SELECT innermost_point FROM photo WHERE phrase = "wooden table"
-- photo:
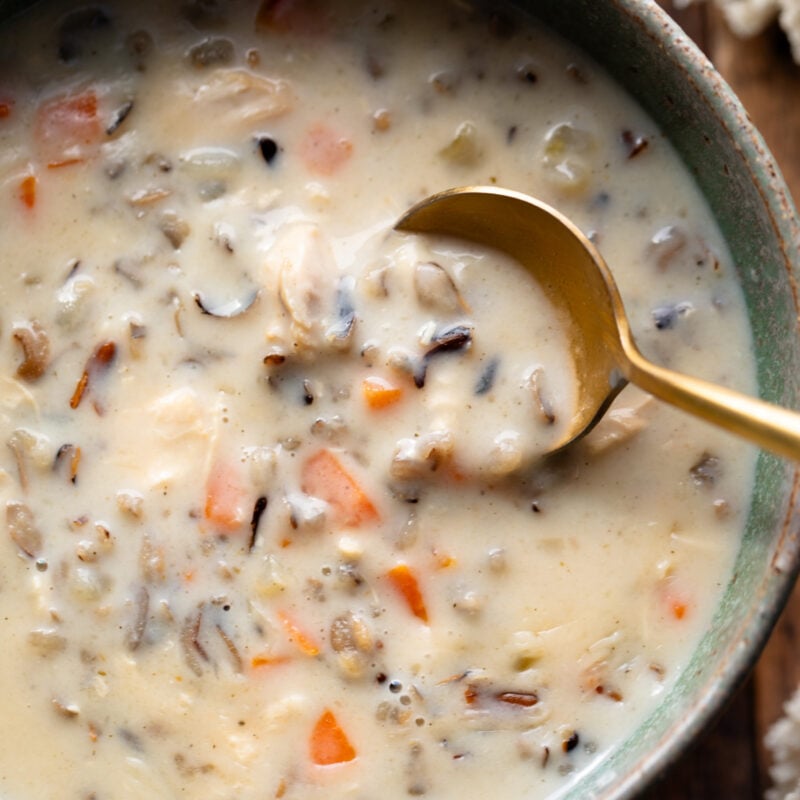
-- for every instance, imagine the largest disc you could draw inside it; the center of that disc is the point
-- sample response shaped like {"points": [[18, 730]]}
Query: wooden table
{"points": [[730, 762]]}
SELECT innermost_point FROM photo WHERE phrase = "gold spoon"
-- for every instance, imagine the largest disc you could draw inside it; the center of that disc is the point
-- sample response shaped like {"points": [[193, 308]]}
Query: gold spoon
{"points": [[578, 282]]}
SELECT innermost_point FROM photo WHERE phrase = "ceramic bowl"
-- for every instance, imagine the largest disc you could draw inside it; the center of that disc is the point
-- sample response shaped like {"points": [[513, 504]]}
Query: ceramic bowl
{"points": [[660, 66], [668, 75]]}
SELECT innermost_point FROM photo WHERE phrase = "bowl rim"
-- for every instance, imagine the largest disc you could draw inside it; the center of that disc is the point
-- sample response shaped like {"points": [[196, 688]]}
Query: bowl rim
{"points": [[738, 659]]}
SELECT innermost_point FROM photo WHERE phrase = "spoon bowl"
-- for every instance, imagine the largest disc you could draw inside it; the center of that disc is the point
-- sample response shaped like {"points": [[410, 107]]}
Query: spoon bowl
{"points": [[579, 284]]}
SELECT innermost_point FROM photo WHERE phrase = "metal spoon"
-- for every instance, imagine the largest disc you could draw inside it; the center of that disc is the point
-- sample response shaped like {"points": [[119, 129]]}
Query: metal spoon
{"points": [[577, 281]]}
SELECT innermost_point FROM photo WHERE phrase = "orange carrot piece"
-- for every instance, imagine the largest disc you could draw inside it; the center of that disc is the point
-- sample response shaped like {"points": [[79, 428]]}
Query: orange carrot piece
{"points": [[67, 129], [304, 642], [27, 191], [404, 580], [225, 498], [678, 608], [329, 743], [324, 151], [324, 476], [380, 393], [261, 660], [676, 600]]}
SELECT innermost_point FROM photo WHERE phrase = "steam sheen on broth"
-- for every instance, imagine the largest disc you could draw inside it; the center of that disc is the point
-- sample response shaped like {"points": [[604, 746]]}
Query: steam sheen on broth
{"points": [[275, 527]]}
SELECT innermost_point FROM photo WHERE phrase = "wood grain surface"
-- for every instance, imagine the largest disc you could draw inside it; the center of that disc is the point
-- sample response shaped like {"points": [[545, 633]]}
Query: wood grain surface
{"points": [[730, 762]]}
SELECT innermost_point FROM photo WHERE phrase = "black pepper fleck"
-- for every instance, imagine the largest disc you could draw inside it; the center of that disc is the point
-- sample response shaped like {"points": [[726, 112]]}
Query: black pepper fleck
{"points": [[268, 148]]}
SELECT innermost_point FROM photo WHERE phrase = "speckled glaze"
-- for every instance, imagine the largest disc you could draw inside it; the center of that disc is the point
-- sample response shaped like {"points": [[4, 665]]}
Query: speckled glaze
{"points": [[658, 64]]}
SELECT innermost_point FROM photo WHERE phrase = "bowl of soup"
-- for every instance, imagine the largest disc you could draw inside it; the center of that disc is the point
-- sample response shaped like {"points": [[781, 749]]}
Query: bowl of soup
{"points": [[276, 518]]}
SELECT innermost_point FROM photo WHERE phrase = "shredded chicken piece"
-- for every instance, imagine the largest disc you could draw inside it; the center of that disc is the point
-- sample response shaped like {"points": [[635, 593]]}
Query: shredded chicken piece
{"points": [[619, 426]]}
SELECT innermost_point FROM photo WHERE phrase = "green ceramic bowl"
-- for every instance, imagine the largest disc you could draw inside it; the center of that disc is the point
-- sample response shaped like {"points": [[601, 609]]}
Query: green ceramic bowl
{"points": [[658, 64]]}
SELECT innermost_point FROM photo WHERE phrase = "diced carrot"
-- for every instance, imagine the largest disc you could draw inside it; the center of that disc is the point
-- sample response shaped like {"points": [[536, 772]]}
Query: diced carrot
{"points": [[324, 476], [323, 150], [328, 743], [679, 609], [404, 580], [675, 599], [297, 636], [67, 129], [380, 393], [27, 191], [262, 660], [225, 498]]}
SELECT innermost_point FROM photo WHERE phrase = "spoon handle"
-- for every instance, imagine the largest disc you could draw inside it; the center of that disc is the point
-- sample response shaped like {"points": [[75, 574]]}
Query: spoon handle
{"points": [[767, 425]]}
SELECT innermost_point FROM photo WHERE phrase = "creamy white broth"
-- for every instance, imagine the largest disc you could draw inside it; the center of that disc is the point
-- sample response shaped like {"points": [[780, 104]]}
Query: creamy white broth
{"points": [[157, 641]]}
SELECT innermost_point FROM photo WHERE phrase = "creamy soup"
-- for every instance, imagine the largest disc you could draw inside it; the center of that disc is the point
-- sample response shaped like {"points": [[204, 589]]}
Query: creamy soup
{"points": [[276, 525]]}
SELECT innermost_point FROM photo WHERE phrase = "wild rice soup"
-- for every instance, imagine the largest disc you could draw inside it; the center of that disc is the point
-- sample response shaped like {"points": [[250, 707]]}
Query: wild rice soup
{"points": [[275, 523]]}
